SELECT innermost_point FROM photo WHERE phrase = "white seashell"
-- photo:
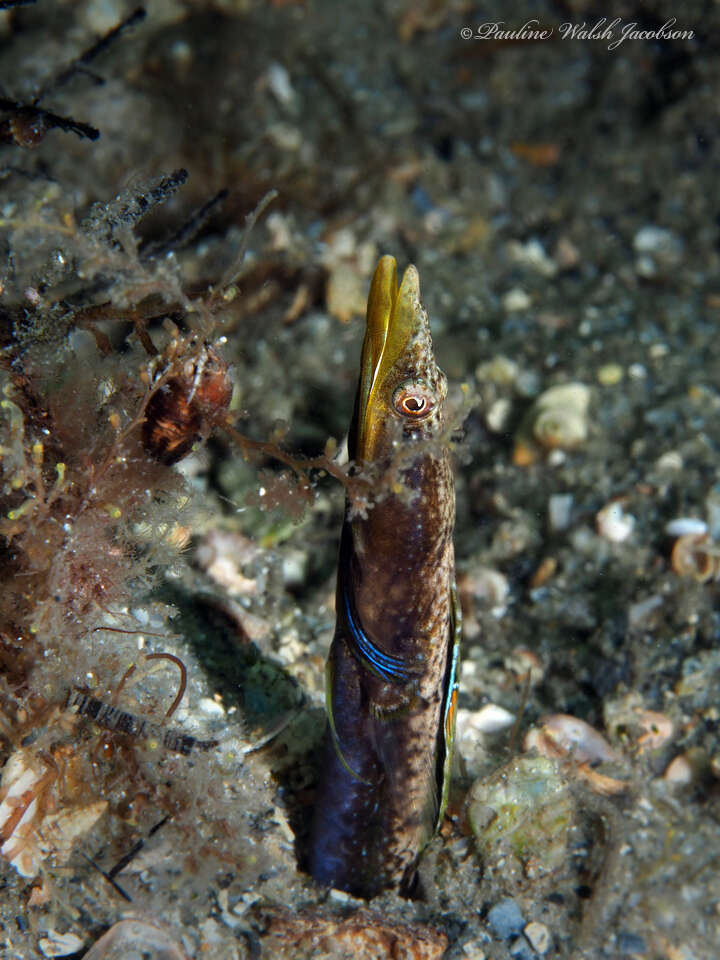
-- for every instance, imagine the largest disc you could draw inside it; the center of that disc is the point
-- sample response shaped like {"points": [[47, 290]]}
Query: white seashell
{"points": [[556, 421], [562, 735], [211, 707], [488, 719], [59, 944], [559, 427], [681, 526], [679, 771], [22, 780], [31, 833], [613, 523], [561, 417]]}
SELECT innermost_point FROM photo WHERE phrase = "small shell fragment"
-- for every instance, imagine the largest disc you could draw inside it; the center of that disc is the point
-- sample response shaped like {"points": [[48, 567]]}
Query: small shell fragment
{"points": [[561, 736], [679, 771], [29, 829], [544, 572], [23, 781], [600, 783], [689, 767]]}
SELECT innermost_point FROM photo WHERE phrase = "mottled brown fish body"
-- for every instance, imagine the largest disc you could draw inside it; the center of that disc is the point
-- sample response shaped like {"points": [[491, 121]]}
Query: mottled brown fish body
{"points": [[389, 670]]}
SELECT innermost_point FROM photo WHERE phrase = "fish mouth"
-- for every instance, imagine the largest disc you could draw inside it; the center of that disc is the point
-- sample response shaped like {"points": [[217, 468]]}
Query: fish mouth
{"points": [[393, 320]]}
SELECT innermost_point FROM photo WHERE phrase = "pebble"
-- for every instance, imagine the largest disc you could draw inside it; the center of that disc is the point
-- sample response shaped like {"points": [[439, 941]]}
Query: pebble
{"points": [[532, 255], [640, 613], [506, 919], [610, 374], [712, 505], [473, 951], [500, 370], [278, 81], [656, 240], [655, 249], [538, 935], [498, 415], [567, 255], [294, 568], [516, 299], [520, 949], [672, 460], [631, 944], [284, 136], [560, 511], [343, 898]]}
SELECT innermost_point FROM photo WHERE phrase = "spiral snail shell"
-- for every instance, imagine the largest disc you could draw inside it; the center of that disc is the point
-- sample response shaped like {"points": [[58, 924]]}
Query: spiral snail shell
{"points": [[557, 420]]}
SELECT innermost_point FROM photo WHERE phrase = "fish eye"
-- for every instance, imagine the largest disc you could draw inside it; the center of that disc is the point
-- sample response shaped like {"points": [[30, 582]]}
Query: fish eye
{"points": [[414, 400]]}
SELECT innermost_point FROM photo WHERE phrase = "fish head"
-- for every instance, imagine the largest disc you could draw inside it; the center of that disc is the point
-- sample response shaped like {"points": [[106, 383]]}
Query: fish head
{"points": [[401, 389]]}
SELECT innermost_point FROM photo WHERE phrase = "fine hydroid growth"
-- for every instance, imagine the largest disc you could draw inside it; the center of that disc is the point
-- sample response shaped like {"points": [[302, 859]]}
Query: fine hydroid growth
{"points": [[110, 375]]}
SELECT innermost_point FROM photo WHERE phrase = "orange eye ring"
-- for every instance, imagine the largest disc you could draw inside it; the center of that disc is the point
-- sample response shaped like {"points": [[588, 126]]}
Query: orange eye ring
{"points": [[413, 400]]}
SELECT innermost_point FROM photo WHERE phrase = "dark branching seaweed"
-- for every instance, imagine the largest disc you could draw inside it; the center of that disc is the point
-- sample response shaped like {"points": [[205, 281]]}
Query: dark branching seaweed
{"points": [[27, 124]]}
